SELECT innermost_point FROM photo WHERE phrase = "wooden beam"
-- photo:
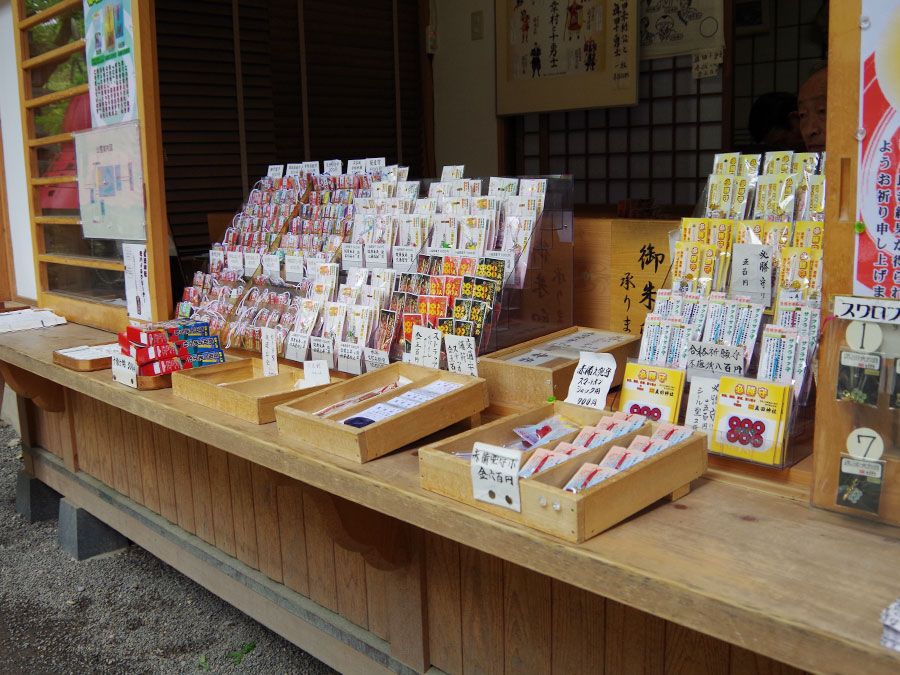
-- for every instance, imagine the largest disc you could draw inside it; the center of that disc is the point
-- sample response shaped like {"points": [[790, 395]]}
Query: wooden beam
{"points": [[77, 261], [56, 96], [8, 275], [57, 220], [49, 140], [62, 7], [55, 55], [107, 316], [53, 180]]}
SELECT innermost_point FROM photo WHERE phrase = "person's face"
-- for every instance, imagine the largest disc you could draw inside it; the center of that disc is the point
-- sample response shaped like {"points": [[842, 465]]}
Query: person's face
{"points": [[811, 110]]}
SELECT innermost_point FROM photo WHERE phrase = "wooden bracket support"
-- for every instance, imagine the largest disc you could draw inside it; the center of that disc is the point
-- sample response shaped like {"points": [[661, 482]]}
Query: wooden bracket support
{"points": [[47, 395]]}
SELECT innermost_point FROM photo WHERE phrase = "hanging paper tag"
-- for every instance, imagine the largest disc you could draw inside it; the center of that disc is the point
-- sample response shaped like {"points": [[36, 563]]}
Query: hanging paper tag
{"points": [[351, 255], [461, 354], [322, 349], [355, 166], [293, 268], [271, 263], [293, 169], [349, 358], [375, 358], [275, 171], [315, 373], [251, 263], [426, 347], [269, 352], [591, 380], [296, 347], [376, 255], [495, 475], [404, 258], [334, 167], [235, 261], [216, 259], [125, 370]]}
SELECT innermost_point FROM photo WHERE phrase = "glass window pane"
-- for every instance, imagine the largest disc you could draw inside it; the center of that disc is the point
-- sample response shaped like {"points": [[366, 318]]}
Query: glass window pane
{"points": [[73, 114], [83, 282], [58, 31], [67, 240], [58, 76], [59, 200]]}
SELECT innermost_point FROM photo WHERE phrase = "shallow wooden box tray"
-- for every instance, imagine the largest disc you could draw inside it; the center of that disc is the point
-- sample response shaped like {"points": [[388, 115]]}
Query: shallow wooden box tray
{"points": [[240, 389], [521, 384], [84, 365], [297, 422], [545, 505]]}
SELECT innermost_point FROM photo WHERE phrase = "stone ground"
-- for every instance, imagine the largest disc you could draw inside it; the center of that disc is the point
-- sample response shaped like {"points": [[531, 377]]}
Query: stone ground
{"points": [[123, 613]]}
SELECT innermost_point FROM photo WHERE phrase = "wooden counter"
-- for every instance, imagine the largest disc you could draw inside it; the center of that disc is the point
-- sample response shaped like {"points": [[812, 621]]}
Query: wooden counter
{"points": [[767, 575]]}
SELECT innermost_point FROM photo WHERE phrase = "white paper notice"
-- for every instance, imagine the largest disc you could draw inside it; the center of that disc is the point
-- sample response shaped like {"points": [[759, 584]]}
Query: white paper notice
{"points": [[701, 406], [356, 166], [591, 380], [375, 358], [275, 171], [322, 350], [310, 167], [334, 167], [426, 347], [269, 351], [293, 268], [251, 263], [751, 274], [351, 255], [125, 370], [234, 260], [315, 373], [296, 347], [495, 475], [375, 165], [293, 169], [376, 255], [404, 258], [461, 354], [137, 287], [349, 358], [271, 263]]}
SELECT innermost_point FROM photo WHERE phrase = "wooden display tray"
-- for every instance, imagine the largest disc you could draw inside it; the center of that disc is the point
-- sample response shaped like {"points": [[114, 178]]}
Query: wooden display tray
{"points": [[240, 389], [154, 382], [519, 384], [82, 365], [297, 422], [545, 505]]}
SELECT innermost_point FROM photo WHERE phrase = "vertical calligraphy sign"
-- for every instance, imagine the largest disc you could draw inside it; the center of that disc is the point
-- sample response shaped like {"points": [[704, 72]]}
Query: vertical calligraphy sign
{"points": [[877, 260], [639, 267]]}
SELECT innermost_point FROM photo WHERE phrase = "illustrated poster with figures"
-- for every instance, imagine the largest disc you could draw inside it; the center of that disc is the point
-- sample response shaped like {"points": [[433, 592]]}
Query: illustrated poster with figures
{"points": [[674, 27], [565, 54]]}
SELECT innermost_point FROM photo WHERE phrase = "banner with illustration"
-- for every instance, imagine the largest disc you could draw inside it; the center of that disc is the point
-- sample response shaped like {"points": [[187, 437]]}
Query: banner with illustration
{"points": [[109, 47], [877, 259], [565, 54]]}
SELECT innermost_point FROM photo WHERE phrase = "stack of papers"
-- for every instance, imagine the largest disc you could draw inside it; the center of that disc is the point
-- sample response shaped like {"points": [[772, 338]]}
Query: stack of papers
{"points": [[26, 319]]}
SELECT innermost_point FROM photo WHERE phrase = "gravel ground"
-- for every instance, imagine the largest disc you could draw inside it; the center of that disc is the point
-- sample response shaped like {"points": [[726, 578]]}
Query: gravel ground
{"points": [[123, 613]]}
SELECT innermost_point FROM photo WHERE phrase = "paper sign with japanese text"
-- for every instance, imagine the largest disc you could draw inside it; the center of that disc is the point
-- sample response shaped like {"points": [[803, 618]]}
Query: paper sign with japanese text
{"points": [[751, 272], [495, 475], [315, 373], [426, 347], [125, 370], [296, 347], [591, 380], [322, 349], [461, 354], [714, 358], [349, 358], [375, 358], [269, 352], [702, 400]]}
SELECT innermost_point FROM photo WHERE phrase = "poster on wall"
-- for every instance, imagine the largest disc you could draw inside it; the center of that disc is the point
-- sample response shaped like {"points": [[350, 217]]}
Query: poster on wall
{"points": [[565, 54], [877, 259], [675, 27], [111, 182], [109, 47]]}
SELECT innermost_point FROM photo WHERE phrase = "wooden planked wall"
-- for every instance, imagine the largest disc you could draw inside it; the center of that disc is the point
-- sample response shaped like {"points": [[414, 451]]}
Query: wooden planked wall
{"points": [[484, 615]]}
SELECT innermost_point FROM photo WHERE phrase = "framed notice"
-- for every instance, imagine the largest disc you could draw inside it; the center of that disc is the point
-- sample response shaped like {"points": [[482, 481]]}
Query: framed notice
{"points": [[109, 50], [565, 54]]}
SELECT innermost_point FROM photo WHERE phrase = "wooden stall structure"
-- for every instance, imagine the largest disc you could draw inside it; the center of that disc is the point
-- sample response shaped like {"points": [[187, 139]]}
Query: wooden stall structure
{"points": [[360, 566]]}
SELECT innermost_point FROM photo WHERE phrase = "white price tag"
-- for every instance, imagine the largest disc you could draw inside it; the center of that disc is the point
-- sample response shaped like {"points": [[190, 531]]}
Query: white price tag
{"points": [[293, 268], [351, 255], [861, 467], [125, 370], [275, 171], [293, 169], [375, 358], [349, 358], [376, 255], [216, 259], [271, 263], [235, 261], [426, 347], [591, 380], [334, 167], [310, 167], [752, 271], [461, 354], [251, 263], [322, 349], [315, 373], [269, 352], [495, 475], [296, 347], [865, 443], [404, 258], [375, 165], [356, 166]]}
